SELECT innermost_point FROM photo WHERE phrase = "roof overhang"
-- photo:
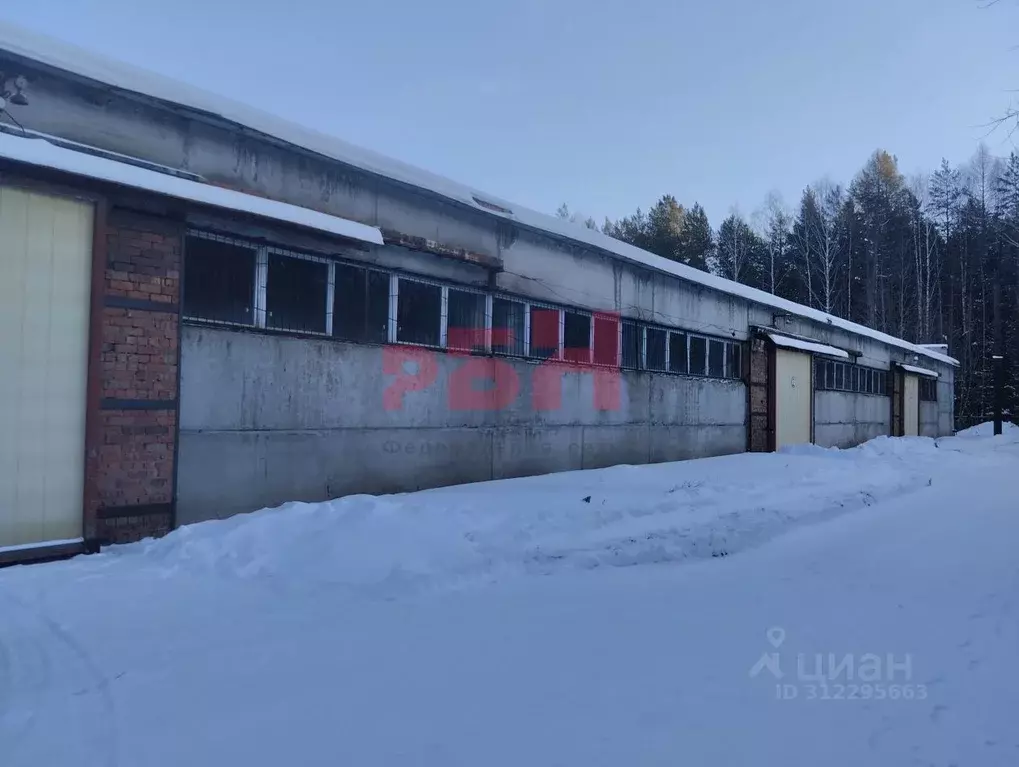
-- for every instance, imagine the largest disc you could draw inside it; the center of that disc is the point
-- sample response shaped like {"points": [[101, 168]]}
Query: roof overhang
{"points": [[919, 371], [810, 347], [40, 153]]}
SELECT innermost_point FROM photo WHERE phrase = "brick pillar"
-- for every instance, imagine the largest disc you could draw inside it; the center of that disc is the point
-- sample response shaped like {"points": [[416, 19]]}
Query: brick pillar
{"points": [[758, 437], [131, 450]]}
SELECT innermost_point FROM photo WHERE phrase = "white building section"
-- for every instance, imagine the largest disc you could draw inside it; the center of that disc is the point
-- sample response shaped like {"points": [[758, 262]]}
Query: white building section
{"points": [[41, 153]]}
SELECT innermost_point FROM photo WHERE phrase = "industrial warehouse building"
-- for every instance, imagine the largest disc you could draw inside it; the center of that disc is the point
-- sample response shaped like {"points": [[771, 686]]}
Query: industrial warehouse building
{"points": [[207, 310]]}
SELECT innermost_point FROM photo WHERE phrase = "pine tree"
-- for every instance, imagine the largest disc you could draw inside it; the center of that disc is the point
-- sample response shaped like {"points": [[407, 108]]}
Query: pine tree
{"points": [[632, 229], [697, 242], [666, 221]]}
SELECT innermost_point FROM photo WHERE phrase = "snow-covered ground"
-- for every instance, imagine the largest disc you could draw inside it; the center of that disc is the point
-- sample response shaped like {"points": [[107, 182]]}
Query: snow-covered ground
{"points": [[802, 608]]}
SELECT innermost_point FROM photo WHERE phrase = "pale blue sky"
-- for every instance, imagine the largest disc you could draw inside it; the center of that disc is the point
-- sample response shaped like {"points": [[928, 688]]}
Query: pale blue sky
{"points": [[606, 106]]}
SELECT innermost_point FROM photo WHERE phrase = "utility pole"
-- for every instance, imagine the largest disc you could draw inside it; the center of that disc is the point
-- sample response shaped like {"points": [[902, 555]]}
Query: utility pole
{"points": [[999, 361], [999, 390]]}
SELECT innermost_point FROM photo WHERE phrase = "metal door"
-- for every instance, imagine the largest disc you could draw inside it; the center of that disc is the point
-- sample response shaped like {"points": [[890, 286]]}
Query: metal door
{"points": [[45, 267], [793, 392], [911, 406]]}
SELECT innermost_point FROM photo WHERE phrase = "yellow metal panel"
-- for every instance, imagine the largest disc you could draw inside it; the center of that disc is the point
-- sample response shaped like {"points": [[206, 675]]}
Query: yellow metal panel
{"points": [[911, 406], [793, 397], [45, 272]]}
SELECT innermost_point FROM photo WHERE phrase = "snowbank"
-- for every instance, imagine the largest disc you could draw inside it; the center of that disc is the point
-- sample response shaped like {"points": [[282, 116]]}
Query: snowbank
{"points": [[621, 516], [262, 640], [986, 429]]}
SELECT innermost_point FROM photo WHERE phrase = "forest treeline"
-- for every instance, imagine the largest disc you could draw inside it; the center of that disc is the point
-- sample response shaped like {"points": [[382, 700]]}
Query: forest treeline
{"points": [[932, 258]]}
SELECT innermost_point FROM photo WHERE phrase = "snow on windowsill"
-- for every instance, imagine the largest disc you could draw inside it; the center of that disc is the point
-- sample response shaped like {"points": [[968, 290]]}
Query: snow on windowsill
{"points": [[41, 153]]}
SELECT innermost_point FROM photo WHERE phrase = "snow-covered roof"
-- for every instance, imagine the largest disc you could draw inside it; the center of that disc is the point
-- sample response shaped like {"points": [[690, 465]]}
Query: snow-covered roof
{"points": [[70, 58], [919, 371], [808, 346], [38, 152]]}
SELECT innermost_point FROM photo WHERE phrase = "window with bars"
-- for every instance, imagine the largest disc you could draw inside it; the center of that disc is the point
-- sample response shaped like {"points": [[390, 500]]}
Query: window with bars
{"points": [[418, 312], [655, 344], [632, 340], [232, 281], [734, 360], [929, 389], [606, 339], [219, 280], [360, 304], [678, 362], [847, 377], [716, 359], [576, 337], [295, 294], [466, 318], [508, 326], [698, 356], [544, 332]]}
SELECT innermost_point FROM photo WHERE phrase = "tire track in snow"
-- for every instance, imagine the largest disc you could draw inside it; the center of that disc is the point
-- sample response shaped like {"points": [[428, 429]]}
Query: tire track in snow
{"points": [[40, 660]]}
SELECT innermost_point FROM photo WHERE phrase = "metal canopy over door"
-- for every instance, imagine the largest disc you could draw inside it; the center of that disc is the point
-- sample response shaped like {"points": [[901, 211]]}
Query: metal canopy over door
{"points": [[45, 267], [793, 394], [911, 406]]}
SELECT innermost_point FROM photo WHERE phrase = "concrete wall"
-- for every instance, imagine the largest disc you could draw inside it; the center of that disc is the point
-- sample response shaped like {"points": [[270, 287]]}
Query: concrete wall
{"points": [[842, 419], [269, 418], [946, 402], [930, 421]]}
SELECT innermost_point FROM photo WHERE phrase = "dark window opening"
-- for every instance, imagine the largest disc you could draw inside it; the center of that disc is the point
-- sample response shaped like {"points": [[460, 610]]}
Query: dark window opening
{"points": [[544, 333], [507, 327], [656, 340], [734, 360], [361, 305], [465, 323], [819, 370], [698, 355], [856, 379], [576, 337], [928, 390], [219, 281], [677, 352], [839, 376], [716, 359], [606, 339], [631, 345], [295, 294], [418, 313]]}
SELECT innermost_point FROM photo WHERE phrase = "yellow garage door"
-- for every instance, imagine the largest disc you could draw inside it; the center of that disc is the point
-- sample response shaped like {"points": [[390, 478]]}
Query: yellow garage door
{"points": [[45, 267], [911, 406], [794, 392]]}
